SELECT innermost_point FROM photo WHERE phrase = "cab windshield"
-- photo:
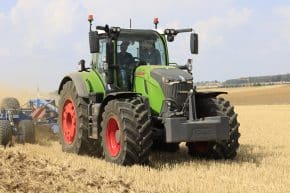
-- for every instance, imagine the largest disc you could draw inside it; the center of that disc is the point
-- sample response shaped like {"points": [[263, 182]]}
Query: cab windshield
{"points": [[134, 48], [140, 46]]}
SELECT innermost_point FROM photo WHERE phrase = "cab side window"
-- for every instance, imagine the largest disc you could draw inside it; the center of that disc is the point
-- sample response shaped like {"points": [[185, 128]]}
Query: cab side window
{"points": [[102, 53]]}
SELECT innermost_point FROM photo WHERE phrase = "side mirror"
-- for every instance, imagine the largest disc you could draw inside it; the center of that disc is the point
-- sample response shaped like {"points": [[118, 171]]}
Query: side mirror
{"points": [[194, 43], [170, 38], [94, 42]]}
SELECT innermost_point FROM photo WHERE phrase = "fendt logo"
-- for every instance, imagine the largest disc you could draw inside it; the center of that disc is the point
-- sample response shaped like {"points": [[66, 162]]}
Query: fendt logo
{"points": [[140, 73]]}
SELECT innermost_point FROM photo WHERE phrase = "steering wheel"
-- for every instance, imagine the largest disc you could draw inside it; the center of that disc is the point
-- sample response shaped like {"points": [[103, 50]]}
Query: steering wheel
{"points": [[138, 61]]}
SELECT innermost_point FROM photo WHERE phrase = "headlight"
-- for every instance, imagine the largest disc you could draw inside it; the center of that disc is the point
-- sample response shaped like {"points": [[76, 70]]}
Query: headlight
{"points": [[165, 80], [116, 29]]}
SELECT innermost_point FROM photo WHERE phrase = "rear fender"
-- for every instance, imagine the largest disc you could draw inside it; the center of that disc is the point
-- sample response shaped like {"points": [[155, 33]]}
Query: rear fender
{"points": [[211, 94], [79, 83], [85, 83]]}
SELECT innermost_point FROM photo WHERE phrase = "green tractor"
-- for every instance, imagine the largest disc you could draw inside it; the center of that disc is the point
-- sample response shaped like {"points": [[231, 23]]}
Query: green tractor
{"points": [[132, 100]]}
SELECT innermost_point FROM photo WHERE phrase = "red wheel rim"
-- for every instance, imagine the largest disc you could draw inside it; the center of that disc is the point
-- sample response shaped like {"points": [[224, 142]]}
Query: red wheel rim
{"points": [[113, 136], [69, 121], [201, 147]]}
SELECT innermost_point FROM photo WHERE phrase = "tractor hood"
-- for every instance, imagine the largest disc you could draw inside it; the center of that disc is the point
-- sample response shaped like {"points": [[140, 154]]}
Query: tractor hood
{"points": [[165, 74], [159, 83], [170, 75]]}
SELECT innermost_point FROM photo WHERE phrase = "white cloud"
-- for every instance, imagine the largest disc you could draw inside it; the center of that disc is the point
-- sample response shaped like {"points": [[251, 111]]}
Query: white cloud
{"points": [[238, 17], [49, 37], [142, 12], [283, 11], [4, 52], [2, 17], [40, 36], [38, 25], [42, 24], [283, 26], [52, 35], [213, 30]]}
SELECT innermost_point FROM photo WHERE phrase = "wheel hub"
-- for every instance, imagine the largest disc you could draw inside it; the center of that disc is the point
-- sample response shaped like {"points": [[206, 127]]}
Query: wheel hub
{"points": [[69, 121], [118, 136], [113, 136]]}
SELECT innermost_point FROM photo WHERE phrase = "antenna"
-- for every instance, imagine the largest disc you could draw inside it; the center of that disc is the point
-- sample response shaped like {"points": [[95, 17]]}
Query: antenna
{"points": [[130, 23], [37, 91]]}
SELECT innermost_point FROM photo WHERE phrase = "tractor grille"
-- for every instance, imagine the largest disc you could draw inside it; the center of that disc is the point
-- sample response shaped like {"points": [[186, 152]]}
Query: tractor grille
{"points": [[174, 82], [177, 92]]}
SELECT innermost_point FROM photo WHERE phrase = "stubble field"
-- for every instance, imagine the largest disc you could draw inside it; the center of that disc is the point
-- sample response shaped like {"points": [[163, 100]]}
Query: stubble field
{"points": [[262, 164]]}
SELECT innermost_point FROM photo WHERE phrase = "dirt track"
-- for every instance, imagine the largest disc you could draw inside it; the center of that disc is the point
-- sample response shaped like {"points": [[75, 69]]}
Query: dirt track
{"points": [[21, 172], [42, 167]]}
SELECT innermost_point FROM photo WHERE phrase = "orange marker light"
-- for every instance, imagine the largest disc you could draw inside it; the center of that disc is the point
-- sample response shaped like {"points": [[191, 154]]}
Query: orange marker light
{"points": [[141, 73], [90, 18], [155, 21]]}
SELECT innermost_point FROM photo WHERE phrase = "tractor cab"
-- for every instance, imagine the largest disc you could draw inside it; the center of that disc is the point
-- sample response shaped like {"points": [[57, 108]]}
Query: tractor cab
{"points": [[117, 53], [119, 57]]}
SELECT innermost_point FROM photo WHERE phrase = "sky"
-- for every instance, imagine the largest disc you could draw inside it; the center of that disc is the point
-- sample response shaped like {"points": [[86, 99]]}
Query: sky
{"points": [[42, 41]]}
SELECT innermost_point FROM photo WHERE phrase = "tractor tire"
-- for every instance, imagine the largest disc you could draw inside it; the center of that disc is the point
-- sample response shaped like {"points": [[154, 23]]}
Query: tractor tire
{"points": [[26, 132], [166, 147], [126, 133], [73, 122], [5, 132], [226, 149], [10, 103]]}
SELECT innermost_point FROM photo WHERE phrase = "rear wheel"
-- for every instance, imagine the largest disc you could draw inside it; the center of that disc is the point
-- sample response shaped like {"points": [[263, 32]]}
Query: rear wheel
{"points": [[226, 149], [73, 123], [10, 103], [126, 133], [5, 132], [26, 132]]}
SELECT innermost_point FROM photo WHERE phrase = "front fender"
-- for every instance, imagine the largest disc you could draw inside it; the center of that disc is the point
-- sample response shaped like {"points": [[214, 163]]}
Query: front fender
{"points": [[209, 94]]}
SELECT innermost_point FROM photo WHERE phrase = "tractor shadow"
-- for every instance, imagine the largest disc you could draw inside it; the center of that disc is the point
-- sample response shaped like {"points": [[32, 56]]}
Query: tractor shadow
{"points": [[247, 154], [256, 154]]}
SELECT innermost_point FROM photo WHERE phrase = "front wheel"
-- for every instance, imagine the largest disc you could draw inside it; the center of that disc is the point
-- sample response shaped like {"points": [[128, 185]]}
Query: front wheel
{"points": [[10, 103], [126, 133], [226, 149]]}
